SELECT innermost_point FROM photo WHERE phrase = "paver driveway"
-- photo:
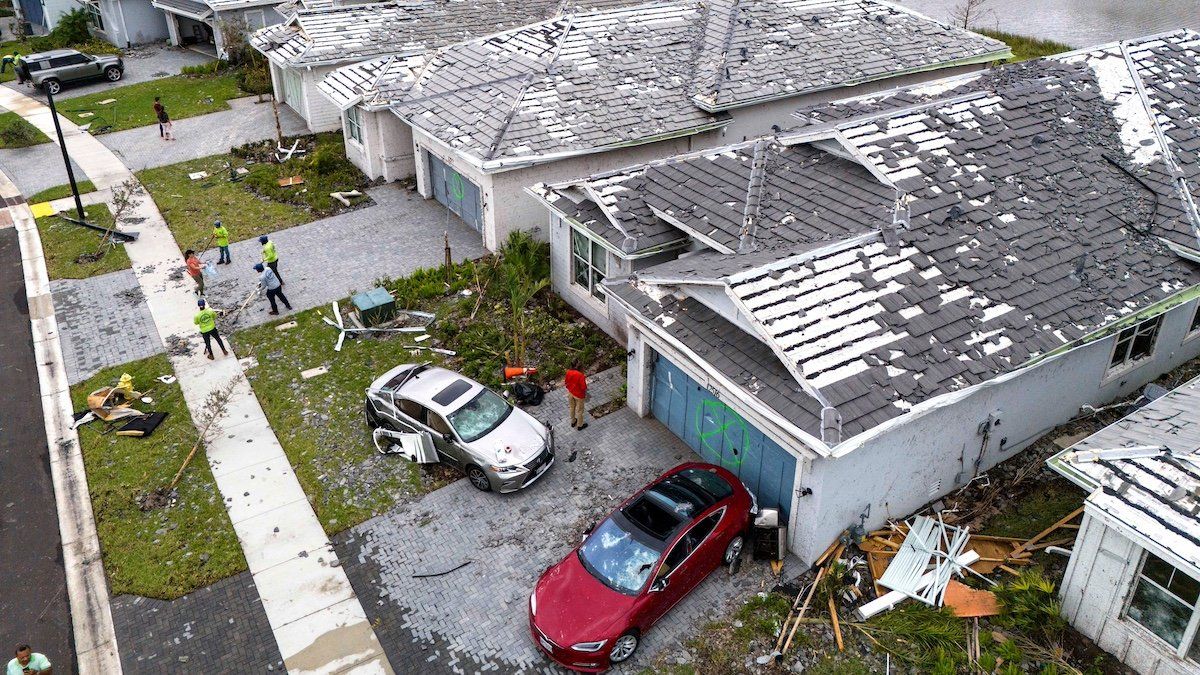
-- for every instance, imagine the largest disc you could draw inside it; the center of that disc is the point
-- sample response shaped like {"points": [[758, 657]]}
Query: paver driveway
{"points": [[474, 618]]}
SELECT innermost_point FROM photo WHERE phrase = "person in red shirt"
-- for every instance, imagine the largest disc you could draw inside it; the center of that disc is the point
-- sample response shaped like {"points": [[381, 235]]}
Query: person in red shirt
{"points": [[576, 393], [195, 270]]}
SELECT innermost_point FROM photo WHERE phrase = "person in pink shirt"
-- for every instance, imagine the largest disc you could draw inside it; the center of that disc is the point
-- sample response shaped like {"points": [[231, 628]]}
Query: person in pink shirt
{"points": [[576, 383]]}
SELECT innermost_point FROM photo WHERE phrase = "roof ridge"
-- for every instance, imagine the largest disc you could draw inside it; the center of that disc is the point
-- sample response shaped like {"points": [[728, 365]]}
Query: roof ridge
{"points": [[730, 29], [763, 149]]}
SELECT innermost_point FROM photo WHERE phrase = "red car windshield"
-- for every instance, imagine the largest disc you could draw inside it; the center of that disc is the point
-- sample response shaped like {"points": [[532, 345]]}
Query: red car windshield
{"points": [[620, 556]]}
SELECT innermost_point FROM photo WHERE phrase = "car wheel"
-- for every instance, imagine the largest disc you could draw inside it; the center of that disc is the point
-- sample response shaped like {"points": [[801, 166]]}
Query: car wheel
{"points": [[734, 550], [113, 73], [478, 478], [52, 86], [623, 648]]}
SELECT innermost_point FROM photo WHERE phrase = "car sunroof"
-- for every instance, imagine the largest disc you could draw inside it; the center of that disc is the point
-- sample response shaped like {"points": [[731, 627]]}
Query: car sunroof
{"points": [[452, 392], [651, 516]]}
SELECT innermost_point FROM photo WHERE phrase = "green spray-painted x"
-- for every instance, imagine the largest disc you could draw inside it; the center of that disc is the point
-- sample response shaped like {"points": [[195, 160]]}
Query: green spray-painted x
{"points": [[457, 189], [734, 429]]}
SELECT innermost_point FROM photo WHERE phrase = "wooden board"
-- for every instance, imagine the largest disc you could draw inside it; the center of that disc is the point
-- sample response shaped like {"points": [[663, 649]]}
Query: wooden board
{"points": [[967, 602]]}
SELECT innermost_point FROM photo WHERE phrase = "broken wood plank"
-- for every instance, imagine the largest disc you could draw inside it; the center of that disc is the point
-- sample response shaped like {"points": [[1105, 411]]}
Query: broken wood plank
{"points": [[837, 630], [290, 181], [829, 551], [1010, 570], [1047, 544], [1042, 535], [803, 610], [966, 602]]}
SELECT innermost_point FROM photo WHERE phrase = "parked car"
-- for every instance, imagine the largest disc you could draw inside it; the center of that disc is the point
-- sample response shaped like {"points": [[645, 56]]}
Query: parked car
{"points": [[51, 70], [498, 447], [591, 609]]}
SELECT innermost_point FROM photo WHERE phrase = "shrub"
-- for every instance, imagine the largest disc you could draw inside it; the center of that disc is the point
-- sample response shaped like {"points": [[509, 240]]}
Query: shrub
{"points": [[255, 79], [205, 69], [1032, 605], [72, 29], [326, 160]]}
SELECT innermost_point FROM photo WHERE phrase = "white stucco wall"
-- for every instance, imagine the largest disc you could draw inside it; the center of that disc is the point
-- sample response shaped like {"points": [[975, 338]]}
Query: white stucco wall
{"points": [[929, 455], [1094, 591], [319, 112], [52, 10], [131, 22], [382, 130]]}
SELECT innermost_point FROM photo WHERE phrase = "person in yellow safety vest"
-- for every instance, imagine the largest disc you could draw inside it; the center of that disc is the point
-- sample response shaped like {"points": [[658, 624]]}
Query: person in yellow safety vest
{"points": [[13, 60], [271, 257], [206, 320], [221, 234]]}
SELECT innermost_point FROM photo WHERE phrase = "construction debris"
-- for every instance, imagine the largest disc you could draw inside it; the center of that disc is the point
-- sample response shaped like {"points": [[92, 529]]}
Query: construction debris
{"points": [[286, 326], [967, 602], [928, 542], [313, 372], [198, 175], [344, 197], [387, 327], [290, 181]]}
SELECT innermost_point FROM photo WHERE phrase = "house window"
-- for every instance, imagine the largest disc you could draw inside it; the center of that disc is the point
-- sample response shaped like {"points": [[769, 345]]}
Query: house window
{"points": [[1135, 343], [94, 16], [1195, 325], [588, 264], [354, 123], [1164, 603]]}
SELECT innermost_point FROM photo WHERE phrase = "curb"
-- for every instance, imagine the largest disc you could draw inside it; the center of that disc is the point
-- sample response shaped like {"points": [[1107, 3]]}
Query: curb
{"points": [[87, 585]]}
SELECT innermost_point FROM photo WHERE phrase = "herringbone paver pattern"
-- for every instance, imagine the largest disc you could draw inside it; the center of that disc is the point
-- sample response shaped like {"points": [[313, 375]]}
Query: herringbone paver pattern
{"points": [[474, 618]]}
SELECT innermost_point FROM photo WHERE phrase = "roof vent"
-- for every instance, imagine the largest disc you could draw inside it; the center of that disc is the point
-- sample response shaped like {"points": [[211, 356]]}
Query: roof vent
{"points": [[831, 426]]}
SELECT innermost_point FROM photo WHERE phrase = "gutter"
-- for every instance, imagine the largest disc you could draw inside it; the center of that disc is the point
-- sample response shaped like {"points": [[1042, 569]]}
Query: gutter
{"points": [[985, 58], [604, 243], [810, 448]]}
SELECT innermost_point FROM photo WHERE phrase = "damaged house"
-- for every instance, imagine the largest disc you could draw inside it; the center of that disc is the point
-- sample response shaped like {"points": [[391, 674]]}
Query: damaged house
{"points": [[864, 313], [1133, 582], [319, 37], [203, 25], [479, 121]]}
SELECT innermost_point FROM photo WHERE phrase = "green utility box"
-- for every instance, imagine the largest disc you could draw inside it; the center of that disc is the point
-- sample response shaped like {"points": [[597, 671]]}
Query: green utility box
{"points": [[375, 306]]}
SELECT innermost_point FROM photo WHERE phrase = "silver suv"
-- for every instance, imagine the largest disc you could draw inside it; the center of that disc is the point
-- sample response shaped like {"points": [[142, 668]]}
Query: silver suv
{"points": [[459, 422], [50, 70]]}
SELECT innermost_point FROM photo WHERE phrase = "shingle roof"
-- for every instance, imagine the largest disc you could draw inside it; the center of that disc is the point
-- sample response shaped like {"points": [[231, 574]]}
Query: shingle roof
{"points": [[1038, 212], [594, 79], [350, 33], [1156, 495], [186, 7], [766, 49], [712, 193]]}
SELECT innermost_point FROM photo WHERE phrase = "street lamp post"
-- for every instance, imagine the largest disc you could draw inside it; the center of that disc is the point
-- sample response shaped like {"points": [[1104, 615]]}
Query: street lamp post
{"points": [[62, 144]]}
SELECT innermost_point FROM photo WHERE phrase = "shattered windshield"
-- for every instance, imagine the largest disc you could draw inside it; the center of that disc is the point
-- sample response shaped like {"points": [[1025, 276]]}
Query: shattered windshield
{"points": [[483, 413], [617, 558]]}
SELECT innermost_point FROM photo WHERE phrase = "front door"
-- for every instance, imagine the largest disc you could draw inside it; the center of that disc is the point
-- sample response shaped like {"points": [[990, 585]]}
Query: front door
{"points": [[456, 193]]}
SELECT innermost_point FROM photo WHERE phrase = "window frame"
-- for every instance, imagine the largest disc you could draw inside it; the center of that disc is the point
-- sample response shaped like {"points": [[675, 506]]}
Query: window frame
{"points": [[354, 124], [1191, 633], [594, 289], [1129, 336], [1193, 330], [95, 16]]}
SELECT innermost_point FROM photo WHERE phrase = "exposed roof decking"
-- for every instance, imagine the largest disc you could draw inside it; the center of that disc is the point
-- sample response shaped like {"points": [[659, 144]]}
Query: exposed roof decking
{"points": [[1137, 493]]}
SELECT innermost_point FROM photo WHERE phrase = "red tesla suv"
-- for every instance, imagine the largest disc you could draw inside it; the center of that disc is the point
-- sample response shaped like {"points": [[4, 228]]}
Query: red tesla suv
{"points": [[590, 610]]}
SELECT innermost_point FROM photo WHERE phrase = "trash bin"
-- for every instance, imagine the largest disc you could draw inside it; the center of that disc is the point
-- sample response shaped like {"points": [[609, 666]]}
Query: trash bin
{"points": [[375, 306], [770, 538]]}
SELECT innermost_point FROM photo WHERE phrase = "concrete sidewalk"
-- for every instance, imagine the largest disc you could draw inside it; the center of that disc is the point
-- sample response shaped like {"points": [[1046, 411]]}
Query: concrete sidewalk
{"points": [[318, 623], [39, 167]]}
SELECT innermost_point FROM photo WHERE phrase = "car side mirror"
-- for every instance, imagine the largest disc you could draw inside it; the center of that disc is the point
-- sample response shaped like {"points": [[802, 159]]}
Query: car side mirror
{"points": [[448, 437], [659, 585]]}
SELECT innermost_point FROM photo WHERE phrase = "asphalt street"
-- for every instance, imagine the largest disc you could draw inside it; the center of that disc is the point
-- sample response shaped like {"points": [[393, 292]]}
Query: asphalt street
{"points": [[33, 601]]}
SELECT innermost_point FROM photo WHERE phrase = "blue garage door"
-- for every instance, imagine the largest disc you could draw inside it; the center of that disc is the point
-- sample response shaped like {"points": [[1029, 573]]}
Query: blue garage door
{"points": [[455, 192], [721, 436]]}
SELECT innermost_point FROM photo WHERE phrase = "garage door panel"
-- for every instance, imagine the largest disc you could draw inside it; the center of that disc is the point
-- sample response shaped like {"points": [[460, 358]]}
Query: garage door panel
{"points": [[721, 436], [455, 192]]}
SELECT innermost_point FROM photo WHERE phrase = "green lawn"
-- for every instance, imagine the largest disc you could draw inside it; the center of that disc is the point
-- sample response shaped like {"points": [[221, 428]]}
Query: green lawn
{"points": [[1025, 48], [255, 205], [319, 421], [165, 552], [184, 96], [61, 191], [15, 132], [63, 242]]}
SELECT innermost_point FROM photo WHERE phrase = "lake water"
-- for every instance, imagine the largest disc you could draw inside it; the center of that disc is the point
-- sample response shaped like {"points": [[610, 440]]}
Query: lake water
{"points": [[1079, 23]]}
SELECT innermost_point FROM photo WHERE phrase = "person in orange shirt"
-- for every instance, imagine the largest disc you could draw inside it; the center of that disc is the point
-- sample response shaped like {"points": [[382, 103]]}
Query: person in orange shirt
{"points": [[195, 269], [576, 393]]}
